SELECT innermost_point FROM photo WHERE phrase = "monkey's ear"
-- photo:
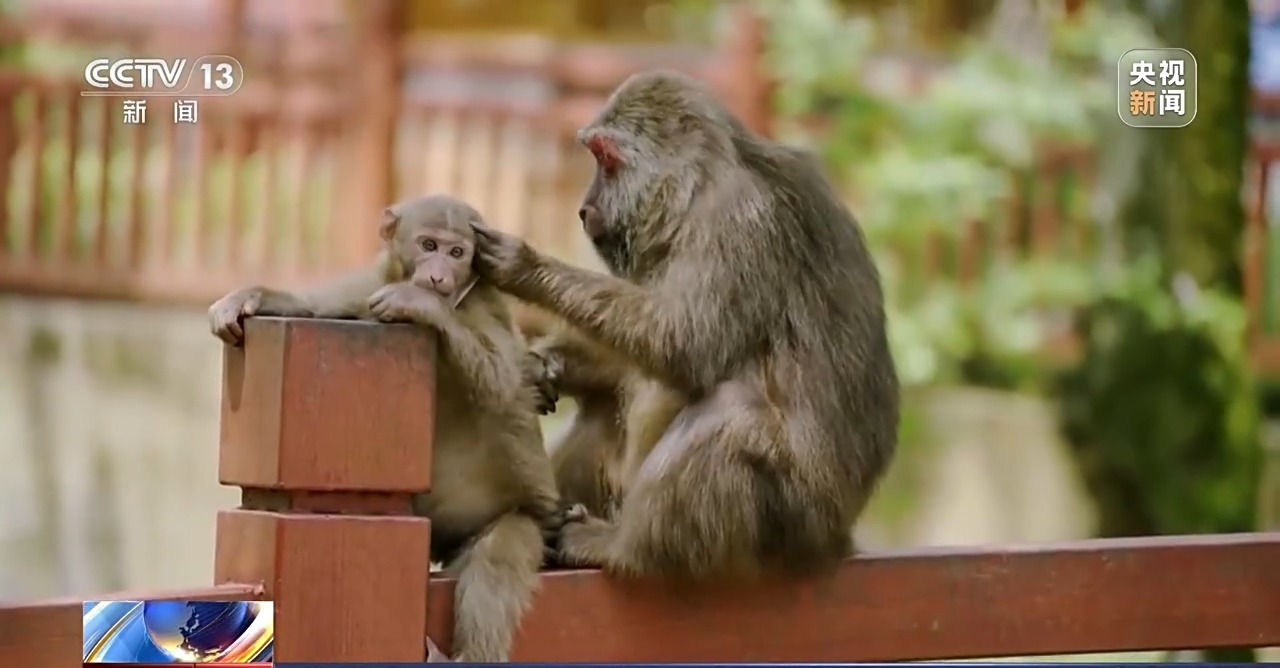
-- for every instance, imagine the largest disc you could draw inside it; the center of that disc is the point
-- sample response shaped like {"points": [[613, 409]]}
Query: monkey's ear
{"points": [[387, 224]]}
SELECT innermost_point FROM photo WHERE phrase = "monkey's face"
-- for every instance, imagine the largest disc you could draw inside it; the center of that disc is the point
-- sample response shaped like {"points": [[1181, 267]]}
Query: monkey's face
{"points": [[653, 155], [436, 259], [616, 196]]}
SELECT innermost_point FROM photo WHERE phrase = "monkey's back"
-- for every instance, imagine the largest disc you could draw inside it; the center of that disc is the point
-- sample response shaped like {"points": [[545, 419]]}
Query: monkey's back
{"points": [[833, 353]]}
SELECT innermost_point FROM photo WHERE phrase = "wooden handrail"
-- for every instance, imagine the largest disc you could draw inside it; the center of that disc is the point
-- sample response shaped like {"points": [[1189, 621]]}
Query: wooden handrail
{"points": [[1177, 592], [49, 633], [327, 429]]}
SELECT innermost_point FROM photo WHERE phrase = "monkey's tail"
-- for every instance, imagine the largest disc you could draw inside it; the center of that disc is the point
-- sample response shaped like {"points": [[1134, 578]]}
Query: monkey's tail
{"points": [[496, 580]]}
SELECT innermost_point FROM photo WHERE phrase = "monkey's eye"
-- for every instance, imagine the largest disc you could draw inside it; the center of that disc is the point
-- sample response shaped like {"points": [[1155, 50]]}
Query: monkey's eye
{"points": [[428, 245], [455, 252]]}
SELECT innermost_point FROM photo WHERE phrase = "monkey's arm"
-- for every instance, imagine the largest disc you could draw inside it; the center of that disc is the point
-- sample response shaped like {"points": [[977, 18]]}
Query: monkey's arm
{"points": [[277, 302], [681, 330], [343, 297], [586, 368], [476, 339], [476, 350]]}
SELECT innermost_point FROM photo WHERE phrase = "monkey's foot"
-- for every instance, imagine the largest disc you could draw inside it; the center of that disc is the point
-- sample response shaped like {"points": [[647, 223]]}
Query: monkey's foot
{"points": [[434, 655], [586, 543]]}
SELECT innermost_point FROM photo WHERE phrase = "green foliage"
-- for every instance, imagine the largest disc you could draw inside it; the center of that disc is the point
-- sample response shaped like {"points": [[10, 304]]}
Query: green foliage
{"points": [[1161, 412], [891, 509], [918, 164]]}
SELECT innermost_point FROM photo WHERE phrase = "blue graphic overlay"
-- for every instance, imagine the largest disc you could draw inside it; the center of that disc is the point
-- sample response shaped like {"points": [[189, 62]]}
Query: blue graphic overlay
{"points": [[165, 632]]}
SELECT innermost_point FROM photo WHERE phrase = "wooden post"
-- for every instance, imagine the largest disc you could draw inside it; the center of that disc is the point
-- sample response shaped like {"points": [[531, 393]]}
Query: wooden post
{"points": [[231, 20], [327, 428], [376, 75], [744, 53]]}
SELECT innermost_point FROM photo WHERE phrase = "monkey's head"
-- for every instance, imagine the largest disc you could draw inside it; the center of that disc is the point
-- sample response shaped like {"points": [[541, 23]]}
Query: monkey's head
{"points": [[660, 140], [431, 243]]}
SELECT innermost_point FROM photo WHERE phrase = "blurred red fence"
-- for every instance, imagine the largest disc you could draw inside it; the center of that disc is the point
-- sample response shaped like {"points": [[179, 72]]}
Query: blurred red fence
{"points": [[277, 182]]}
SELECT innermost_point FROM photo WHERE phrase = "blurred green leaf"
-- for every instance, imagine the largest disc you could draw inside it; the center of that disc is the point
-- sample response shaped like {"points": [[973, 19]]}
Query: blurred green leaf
{"points": [[921, 164]]}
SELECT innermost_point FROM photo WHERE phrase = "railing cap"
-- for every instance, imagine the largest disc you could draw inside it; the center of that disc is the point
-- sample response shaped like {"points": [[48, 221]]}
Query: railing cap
{"points": [[328, 405]]}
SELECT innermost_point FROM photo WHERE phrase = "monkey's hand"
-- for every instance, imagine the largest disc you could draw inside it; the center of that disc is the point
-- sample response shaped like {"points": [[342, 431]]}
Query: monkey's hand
{"points": [[405, 302], [502, 258], [543, 370], [552, 527], [226, 316], [584, 543]]}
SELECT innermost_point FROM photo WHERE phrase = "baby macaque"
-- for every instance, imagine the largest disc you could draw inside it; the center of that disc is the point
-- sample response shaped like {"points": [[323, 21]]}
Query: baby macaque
{"points": [[493, 491]]}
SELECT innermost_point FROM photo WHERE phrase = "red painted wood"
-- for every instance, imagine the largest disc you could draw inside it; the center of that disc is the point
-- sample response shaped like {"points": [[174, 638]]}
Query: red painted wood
{"points": [[1100, 595]]}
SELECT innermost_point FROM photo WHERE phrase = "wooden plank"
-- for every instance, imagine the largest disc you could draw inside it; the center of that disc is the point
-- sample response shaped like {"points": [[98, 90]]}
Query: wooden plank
{"points": [[41, 634], [49, 633], [1091, 596], [97, 282]]}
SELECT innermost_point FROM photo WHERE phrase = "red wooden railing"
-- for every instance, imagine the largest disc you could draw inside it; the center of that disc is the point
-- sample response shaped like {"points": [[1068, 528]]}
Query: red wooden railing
{"points": [[272, 184], [326, 427], [1259, 258]]}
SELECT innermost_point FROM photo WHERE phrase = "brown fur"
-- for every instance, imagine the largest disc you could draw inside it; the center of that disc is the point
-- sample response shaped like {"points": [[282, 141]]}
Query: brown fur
{"points": [[493, 490], [762, 404], [587, 456]]}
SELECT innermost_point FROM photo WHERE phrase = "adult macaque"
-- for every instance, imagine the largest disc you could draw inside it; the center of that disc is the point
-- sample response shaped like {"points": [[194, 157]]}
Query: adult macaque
{"points": [[493, 491], [762, 405]]}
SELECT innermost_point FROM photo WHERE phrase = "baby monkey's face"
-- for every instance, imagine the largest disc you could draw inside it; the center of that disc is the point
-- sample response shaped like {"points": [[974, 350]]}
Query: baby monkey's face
{"points": [[432, 242], [437, 259]]}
